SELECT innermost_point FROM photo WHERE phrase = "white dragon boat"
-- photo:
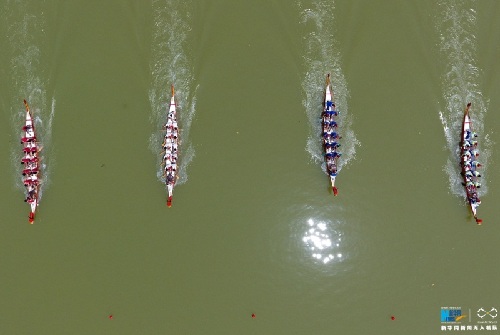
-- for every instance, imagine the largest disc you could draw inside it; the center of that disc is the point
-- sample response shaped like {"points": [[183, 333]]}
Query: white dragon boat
{"points": [[330, 136], [170, 149], [470, 164], [31, 163]]}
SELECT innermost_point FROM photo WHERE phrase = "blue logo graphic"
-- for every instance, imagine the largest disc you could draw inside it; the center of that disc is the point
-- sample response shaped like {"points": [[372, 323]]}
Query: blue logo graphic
{"points": [[451, 314]]}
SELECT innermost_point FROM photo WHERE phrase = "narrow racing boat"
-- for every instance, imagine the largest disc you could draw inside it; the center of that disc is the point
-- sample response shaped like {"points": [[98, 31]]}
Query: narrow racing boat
{"points": [[31, 163], [470, 164], [330, 136], [170, 146]]}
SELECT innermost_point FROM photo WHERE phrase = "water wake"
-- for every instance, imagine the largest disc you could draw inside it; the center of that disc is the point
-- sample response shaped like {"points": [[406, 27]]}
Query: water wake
{"points": [[322, 56], [171, 64], [28, 82], [456, 24]]}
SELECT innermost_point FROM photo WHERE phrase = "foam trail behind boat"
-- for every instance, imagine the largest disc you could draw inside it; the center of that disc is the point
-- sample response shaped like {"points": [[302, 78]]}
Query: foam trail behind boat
{"points": [[321, 56], [456, 24], [25, 32], [170, 64]]}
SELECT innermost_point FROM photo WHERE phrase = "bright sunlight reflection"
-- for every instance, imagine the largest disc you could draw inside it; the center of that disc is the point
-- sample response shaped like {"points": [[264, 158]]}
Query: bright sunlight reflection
{"points": [[318, 240]]}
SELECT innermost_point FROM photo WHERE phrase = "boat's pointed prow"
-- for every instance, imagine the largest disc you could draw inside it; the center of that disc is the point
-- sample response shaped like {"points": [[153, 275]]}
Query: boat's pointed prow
{"points": [[328, 79], [31, 218], [26, 106], [335, 191], [479, 221], [173, 90], [169, 202]]}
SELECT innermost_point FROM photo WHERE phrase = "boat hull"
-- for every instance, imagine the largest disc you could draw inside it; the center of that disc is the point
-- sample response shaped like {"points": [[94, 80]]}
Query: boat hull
{"points": [[470, 165], [31, 162], [330, 135], [170, 149]]}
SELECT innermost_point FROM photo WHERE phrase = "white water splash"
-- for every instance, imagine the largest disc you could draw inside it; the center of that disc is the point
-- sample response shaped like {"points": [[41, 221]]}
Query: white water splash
{"points": [[321, 57], [456, 25], [28, 82], [171, 64]]}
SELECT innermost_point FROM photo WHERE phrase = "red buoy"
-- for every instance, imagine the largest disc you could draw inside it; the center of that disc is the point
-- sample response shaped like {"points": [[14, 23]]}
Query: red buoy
{"points": [[393, 318], [253, 316], [110, 317]]}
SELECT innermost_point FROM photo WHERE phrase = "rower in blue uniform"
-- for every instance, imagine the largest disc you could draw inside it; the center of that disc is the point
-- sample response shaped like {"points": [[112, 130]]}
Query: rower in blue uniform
{"points": [[475, 164], [469, 135]]}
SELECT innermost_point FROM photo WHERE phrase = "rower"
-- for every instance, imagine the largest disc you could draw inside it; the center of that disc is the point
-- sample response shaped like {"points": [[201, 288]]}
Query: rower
{"points": [[475, 164], [170, 178], [470, 135], [474, 152], [27, 160], [27, 139], [30, 149], [26, 171]]}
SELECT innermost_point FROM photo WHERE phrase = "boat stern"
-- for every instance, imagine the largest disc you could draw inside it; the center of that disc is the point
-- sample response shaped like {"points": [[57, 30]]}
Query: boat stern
{"points": [[170, 190], [31, 217], [334, 189]]}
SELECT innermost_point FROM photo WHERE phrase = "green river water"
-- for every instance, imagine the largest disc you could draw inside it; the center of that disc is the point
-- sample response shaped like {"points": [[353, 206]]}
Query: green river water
{"points": [[254, 228]]}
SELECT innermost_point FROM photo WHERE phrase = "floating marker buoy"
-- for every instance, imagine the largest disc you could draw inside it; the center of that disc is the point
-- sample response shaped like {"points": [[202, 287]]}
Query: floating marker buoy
{"points": [[253, 316], [110, 317], [393, 318]]}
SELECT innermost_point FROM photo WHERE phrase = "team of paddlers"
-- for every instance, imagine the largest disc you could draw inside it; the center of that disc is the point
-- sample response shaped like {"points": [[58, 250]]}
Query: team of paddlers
{"points": [[330, 138], [170, 143], [30, 161], [470, 166]]}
